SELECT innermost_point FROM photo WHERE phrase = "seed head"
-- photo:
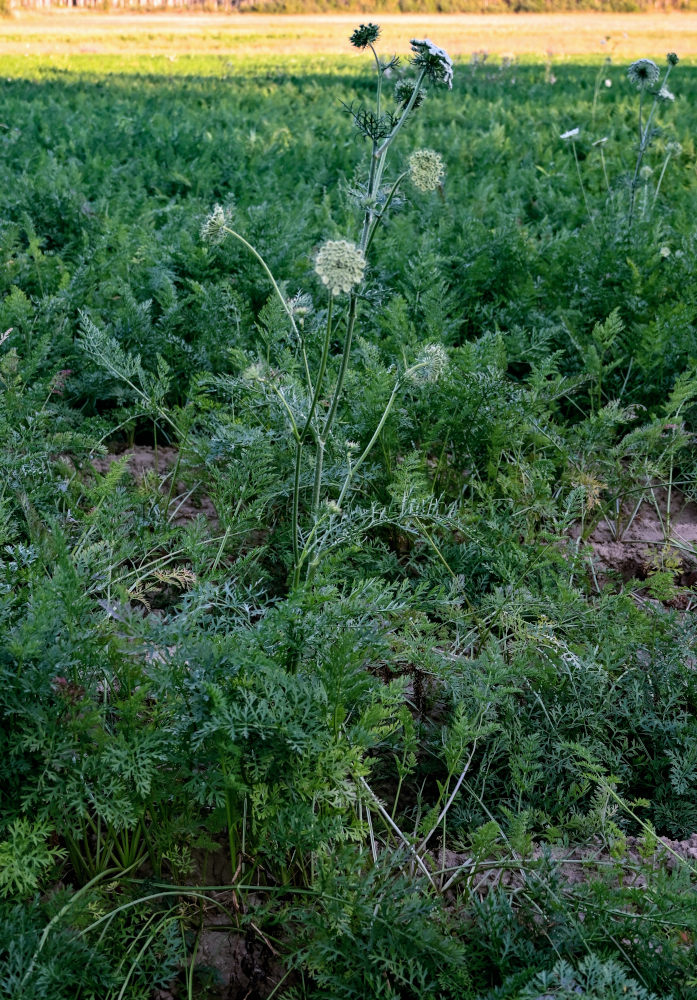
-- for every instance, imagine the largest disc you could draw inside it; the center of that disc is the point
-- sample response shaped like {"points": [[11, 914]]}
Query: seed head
{"points": [[643, 73], [426, 169], [403, 91], [672, 59], [429, 366], [436, 61], [646, 172], [365, 35], [213, 228], [674, 148], [340, 265]]}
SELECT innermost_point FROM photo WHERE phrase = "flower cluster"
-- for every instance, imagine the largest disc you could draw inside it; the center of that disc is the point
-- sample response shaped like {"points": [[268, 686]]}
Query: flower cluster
{"points": [[426, 169], [340, 265], [429, 366], [436, 61], [365, 35], [213, 228], [643, 74]]}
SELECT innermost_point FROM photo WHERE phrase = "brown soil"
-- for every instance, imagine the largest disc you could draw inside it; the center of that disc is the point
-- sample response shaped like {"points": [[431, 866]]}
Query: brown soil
{"points": [[635, 544], [185, 505]]}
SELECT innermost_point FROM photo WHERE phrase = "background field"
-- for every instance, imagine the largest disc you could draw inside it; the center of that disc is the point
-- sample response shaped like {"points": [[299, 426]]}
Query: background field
{"points": [[557, 36]]}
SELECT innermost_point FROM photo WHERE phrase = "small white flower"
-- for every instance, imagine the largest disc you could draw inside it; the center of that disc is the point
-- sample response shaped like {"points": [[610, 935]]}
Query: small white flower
{"points": [[426, 169], [665, 252], [340, 265], [600, 142], [608, 82], [571, 134], [665, 95]]}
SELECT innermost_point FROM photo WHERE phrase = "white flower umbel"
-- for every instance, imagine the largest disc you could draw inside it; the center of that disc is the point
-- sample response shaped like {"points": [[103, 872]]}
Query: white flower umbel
{"points": [[434, 59], [340, 265], [426, 169], [571, 134]]}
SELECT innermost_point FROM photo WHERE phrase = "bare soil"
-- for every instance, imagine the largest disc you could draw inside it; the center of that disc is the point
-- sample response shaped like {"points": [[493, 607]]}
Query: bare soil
{"points": [[660, 531], [186, 503]]}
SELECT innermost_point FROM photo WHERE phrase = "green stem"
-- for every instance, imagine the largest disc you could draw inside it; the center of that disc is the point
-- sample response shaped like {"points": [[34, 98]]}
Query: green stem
{"points": [[378, 218], [379, 69], [368, 448], [281, 298], [295, 527], [322, 439], [644, 136], [580, 180], [405, 114], [660, 179]]}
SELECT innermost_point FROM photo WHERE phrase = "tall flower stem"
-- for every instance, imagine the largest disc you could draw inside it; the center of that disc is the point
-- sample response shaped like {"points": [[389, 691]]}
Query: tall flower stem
{"points": [[324, 433], [660, 179], [300, 438], [405, 377], [580, 181], [644, 139], [281, 298]]}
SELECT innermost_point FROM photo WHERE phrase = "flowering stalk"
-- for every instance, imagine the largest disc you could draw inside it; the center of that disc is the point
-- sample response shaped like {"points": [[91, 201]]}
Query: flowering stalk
{"points": [[671, 148], [428, 369], [340, 265], [214, 230], [295, 527], [644, 73]]}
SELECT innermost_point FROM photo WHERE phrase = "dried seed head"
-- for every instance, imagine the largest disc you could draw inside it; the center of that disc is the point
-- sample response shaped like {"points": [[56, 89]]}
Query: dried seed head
{"points": [[364, 35], [436, 61], [672, 59], [340, 265], [426, 170], [643, 74]]}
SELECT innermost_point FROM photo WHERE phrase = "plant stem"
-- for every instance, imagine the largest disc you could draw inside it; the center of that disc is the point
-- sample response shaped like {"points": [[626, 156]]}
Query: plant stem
{"points": [[322, 439], [580, 180], [281, 298], [295, 527]]}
